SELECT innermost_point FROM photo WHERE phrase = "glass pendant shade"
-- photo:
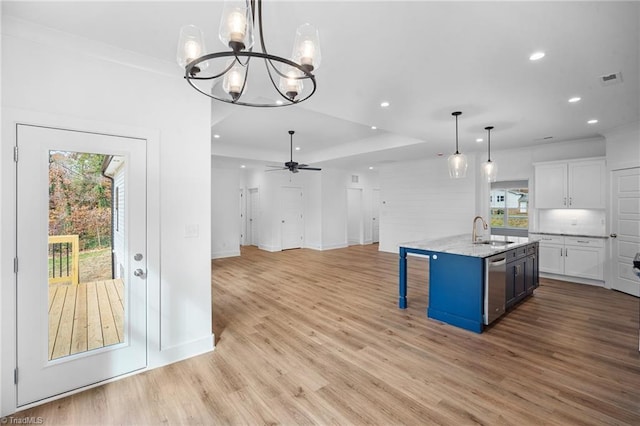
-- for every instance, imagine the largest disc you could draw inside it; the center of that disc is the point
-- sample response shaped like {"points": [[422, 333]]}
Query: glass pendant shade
{"points": [[489, 168], [190, 46], [236, 25], [292, 84], [306, 47], [457, 165], [457, 161], [490, 171], [234, 82]]}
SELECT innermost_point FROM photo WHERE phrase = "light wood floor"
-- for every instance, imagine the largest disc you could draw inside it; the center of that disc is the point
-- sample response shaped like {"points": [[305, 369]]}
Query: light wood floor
{"points": [[309, 337], [85, 316]]}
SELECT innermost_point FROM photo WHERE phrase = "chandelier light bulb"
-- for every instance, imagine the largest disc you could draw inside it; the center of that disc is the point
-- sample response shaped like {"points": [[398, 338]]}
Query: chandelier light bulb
{"points": [[190, 47], [234, 81], [236, 25], [306, 47], [291, 85]]}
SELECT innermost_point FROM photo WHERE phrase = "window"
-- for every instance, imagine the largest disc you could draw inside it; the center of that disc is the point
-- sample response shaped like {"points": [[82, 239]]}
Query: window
{"points": [[509, 208]]}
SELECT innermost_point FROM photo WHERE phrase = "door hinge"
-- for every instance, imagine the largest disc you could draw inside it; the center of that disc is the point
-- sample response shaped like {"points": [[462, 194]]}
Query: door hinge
{"points": [[15, 376], [15, 265], [15, 153]]}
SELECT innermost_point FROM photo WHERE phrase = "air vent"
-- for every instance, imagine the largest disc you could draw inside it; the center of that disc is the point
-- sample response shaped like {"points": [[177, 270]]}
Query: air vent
{"points": [[354, 179], [610, 79]]}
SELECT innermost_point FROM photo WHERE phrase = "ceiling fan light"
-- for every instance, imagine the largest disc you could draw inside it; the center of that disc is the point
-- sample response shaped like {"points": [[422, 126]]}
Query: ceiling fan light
{"points": [[306, 48], [457, 165], [236, 25]]}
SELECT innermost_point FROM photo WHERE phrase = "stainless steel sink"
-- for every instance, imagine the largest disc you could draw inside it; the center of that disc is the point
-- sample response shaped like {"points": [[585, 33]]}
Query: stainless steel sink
{"points": [[494, 243]]}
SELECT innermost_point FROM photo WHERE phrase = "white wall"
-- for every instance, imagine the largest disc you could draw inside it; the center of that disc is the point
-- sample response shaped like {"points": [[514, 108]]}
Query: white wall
{"points": [[225, 211], [420, 201], [623, 147], [76, 83]]}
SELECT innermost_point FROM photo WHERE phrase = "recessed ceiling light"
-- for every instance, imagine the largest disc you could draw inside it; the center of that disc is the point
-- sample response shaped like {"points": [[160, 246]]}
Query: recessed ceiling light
{"points": [[279, 102], [370, 167], [479, 140], [216, 136], [384, 104], [536, 56], [297, 148], [593, 121], [242, 166], [574, 99], [374, 128]]}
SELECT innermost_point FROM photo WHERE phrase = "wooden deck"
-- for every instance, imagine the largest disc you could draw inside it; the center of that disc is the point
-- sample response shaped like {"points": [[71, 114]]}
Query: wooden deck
{"points": [[85, 316]]}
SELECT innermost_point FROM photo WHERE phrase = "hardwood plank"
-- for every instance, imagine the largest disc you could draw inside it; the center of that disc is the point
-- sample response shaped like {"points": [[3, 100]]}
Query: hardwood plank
{"points": [[79, 339], [315, 337], [117, 308], [119, 286], [107, 321], [62, 346], [55, 315], [94, 326]]}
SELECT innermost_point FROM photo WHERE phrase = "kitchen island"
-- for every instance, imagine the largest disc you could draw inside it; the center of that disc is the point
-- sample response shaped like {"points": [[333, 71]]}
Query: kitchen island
{"points": [[460, 274]]}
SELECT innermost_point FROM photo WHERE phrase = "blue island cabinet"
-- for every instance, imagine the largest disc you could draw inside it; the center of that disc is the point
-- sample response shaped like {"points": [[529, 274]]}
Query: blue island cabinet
{"points": [[456, 285]]}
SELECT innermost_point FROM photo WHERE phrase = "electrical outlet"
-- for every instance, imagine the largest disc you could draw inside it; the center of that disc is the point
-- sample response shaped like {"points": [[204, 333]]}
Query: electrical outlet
{"points": [[574, 221], [191, 231]]}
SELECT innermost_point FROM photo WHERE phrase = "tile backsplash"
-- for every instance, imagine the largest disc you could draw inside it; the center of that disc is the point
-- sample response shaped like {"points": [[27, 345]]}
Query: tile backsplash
{"points": [[572, 221]]}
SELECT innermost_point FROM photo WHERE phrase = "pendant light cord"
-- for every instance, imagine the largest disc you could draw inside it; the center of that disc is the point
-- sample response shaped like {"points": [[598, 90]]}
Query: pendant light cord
{"points": [[488, 129], [457, 135]]}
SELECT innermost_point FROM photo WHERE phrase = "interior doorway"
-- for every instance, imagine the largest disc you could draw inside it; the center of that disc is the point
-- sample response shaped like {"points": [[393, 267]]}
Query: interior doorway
{"points": [[375, 216], [291, 211], [253, 209]]}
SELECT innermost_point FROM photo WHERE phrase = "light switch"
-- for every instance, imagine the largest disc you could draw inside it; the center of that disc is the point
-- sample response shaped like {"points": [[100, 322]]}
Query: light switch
{"points": [[191, 230]]}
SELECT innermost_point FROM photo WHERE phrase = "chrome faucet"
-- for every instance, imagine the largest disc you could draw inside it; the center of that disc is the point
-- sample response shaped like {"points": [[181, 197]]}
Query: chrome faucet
{"points": [[474, 235]]}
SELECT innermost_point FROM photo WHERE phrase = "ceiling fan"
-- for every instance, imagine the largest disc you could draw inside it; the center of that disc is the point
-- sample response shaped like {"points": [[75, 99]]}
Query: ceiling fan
{"points": [[291, 165]]}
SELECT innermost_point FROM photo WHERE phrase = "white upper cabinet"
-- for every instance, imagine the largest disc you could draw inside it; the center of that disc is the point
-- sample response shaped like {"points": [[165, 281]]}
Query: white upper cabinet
{"points": [[576, 184]]}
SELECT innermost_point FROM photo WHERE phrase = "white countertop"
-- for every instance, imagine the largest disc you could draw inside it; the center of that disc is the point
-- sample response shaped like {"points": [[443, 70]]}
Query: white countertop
{"points": [[462, 245]]}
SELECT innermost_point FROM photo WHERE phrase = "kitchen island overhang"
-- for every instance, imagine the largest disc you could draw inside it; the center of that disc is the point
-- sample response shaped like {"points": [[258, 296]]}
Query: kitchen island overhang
{"points": [[458, 275]]}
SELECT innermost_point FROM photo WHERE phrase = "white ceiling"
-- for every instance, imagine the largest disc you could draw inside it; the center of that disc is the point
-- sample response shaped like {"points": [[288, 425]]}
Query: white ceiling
{"points": [[426, 58]]}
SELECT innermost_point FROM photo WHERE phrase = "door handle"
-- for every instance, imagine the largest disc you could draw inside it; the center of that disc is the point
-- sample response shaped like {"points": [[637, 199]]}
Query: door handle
{"points": [[614, 235], [139, 273]]}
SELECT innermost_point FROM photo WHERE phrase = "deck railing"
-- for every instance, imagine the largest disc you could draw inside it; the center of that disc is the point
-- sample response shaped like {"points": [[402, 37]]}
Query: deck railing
{"points": [[64, 256]]}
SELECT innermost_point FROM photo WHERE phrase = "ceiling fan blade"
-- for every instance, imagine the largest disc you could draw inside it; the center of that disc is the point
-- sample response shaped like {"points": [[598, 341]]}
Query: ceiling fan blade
{"points": [[309, 168], [276, 170], [273, 165]]}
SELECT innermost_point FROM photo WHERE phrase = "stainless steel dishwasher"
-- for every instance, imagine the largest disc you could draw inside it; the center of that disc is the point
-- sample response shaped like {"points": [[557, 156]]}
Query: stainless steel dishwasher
{"points": [[494, 287]]}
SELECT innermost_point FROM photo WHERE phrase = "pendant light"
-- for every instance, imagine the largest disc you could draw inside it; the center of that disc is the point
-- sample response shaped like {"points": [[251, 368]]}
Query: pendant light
{"points": [[457, 161], [489, 168]]}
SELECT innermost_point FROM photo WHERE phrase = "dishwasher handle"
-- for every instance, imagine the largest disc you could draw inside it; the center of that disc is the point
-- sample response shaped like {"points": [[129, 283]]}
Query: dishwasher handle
{"points": [[498, 262]]}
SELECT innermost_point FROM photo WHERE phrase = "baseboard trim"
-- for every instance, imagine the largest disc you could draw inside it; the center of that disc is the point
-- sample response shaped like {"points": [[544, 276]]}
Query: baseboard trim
{"points": [[223, 254]]}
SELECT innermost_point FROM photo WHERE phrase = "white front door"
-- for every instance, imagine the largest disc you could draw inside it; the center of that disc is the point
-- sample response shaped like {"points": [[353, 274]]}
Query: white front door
{"points": [[625, 225], [291, 211], [81, 289]]}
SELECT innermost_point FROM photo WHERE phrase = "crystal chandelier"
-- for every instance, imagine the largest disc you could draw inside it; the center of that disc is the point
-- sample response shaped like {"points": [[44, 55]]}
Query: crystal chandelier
{"points": [[228, 71]]}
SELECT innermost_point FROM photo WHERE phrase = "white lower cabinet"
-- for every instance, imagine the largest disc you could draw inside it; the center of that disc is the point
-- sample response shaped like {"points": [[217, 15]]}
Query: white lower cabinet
{"points": [[580, 257]]}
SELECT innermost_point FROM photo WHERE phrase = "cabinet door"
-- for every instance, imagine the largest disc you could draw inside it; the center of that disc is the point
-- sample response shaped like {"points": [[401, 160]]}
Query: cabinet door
{"points": [[584, 262], [510, 284], [551, 186], [551, 258], [586, 183], [519, 282]]}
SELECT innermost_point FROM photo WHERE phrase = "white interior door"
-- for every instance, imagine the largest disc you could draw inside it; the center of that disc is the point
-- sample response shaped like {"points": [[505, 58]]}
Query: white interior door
{"points": [[625, 224], [243, 222], [354, 216], [375, 216], [291, 211], [86, 326], [252, 220]]}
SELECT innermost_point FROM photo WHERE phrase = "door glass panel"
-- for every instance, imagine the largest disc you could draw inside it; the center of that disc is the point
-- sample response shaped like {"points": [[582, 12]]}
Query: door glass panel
{"points": [[85, 282]]}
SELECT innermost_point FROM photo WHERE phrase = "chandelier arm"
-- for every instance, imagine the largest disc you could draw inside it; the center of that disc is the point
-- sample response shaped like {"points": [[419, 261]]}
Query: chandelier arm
{"points": [[188, 75], [273, 83]]}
